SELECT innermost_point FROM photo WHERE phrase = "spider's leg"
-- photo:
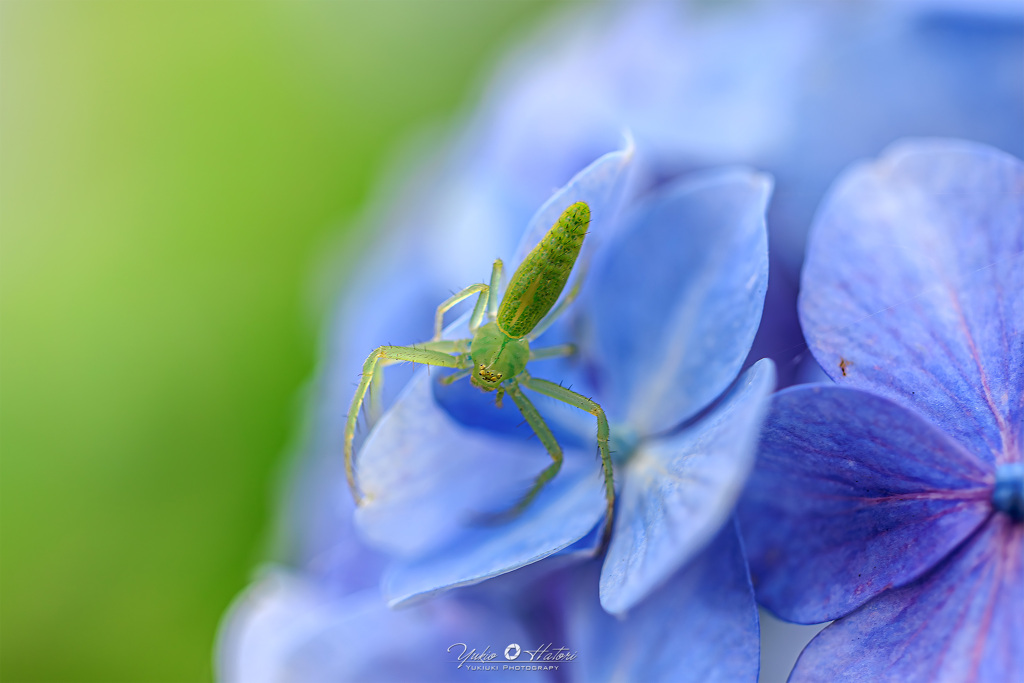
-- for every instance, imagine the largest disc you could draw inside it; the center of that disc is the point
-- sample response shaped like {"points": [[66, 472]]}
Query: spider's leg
{"points": [[456, 376], [559, 392], [492, 300], [376, 403], [431, 353], [560, 307], [540, 428], [454, 299], [560, 351]]}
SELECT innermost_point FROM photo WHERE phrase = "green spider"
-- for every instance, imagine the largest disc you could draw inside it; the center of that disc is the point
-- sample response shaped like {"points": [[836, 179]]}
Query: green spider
{"points": [[496, 357]]}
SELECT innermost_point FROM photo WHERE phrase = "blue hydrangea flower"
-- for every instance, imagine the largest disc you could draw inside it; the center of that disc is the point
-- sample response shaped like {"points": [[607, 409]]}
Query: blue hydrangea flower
{"points": [[891, 499], [436, 461], [668, 310]]}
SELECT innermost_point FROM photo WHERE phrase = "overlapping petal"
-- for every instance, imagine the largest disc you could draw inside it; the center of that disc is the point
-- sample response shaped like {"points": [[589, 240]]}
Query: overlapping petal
{"points": [[913, 288], [565, 511], [677, 298], [284, 629], [962, 622], [852, 494], [427, 478], [701, 626], [679, 490]]}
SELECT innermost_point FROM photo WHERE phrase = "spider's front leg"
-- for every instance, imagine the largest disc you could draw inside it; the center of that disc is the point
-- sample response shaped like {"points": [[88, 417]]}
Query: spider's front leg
{"points": [[485, 302], [559, 392], [439, 353], [543, 432]]}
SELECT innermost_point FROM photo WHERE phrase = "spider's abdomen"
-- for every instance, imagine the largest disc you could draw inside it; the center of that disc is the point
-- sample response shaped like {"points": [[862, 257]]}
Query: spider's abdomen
{"points": [[541, 277]]}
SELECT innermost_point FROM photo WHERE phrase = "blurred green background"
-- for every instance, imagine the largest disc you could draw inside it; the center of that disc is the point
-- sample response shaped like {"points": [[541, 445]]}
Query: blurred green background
{"points": [[170, 171]]}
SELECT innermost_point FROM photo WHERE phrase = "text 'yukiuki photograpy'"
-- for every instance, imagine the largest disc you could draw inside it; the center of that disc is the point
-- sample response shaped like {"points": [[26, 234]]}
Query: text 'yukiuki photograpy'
{"points": [[707, 317]]}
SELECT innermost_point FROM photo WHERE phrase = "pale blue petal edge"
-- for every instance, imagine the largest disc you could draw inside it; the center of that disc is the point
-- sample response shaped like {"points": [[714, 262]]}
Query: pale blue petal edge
{"points": [[700, 626], [679, 490], [564, 512]]}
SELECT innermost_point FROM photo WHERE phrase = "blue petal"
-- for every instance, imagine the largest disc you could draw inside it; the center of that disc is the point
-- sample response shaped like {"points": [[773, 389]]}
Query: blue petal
{"points": [[427, 478], [677, 298], [565, 511], [913, 288], [679, 490], [852, 494], [701, 626], [287, 629], [962, 622]]}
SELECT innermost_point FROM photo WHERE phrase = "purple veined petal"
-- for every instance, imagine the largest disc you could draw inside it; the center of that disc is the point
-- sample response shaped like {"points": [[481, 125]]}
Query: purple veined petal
{"points": [[284, 628], [677, 492], [852, 494], [426, 477], [601, 185], [701, 626], [677, 297], [913, 288], [564, 512], [964, 621]]}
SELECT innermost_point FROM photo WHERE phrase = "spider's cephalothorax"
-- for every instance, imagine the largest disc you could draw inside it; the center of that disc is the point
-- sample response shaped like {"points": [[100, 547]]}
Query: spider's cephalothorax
{"points": [[496, 357]]}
